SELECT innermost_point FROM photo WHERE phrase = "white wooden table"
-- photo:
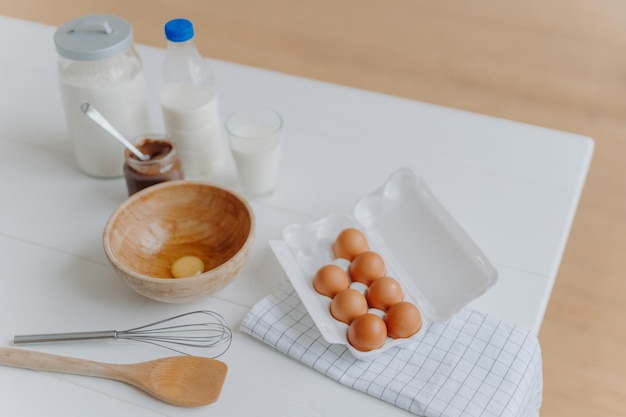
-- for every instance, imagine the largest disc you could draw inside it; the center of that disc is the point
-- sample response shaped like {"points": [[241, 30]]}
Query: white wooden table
{"points": [[513, 187]]}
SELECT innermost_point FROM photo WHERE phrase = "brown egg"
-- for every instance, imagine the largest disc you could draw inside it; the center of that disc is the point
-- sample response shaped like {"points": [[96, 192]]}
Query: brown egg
{"points": [[349, 243], [383, 293], [330, 279], [366, 267], [403, 320], [367, 332], [347, 305]]}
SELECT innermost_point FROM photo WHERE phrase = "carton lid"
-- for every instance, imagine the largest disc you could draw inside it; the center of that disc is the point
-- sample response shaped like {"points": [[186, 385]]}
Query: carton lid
{"points": [[431, 254]]}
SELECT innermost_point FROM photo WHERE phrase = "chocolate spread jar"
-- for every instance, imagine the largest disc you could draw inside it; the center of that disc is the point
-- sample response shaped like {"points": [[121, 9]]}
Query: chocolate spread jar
{"points": [[163, 165]]}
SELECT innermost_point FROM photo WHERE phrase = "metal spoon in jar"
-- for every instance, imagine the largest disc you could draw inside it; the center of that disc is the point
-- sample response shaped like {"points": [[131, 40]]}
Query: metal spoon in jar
{"points": [[101, 121]]}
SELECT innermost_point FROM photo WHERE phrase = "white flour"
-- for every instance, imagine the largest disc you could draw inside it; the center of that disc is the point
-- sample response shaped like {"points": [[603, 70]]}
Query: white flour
{"points": [[96, 152], [117, 93]]}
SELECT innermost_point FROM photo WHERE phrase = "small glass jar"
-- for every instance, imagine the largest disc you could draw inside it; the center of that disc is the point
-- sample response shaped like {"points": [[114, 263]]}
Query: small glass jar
{"points": [[163, 165], [98, 64]]}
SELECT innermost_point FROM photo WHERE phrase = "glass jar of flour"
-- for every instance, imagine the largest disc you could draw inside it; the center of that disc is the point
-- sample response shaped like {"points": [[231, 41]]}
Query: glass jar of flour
{"points": [[98, 64]]}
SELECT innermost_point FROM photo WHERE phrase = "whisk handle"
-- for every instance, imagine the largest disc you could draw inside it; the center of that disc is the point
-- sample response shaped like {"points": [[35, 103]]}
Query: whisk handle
{"points": [[64, 337]]}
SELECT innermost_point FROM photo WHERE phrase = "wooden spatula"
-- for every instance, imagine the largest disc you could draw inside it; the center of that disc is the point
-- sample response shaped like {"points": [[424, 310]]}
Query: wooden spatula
{"points": [[186, 381]]}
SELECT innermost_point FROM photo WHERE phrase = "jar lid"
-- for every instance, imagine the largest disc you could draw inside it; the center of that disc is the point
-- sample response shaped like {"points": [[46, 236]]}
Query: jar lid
{"points": [[93, 37], [179, 30]]}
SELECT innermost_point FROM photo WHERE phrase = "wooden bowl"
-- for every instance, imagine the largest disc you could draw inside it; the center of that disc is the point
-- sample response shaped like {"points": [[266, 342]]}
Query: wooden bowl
{"points": [[158, 225]]}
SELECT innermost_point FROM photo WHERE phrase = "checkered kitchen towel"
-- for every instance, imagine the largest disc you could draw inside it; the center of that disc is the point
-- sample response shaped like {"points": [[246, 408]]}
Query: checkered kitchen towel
{"points": [[471, 365]]}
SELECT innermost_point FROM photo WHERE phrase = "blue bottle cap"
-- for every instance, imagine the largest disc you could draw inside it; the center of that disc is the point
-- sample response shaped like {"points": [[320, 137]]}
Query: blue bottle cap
{"points": [[179, 30]]}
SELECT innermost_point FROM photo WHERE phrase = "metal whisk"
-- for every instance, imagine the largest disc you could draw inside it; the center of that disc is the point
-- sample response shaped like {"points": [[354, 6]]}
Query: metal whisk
{"points": [[197, 329]]}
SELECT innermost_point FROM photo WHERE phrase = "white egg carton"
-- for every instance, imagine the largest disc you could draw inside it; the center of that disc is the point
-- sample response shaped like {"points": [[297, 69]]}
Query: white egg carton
{"points": [[438, 265]]}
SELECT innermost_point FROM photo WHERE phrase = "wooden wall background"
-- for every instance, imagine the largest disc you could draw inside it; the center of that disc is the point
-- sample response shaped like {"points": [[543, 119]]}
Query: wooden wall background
{"points": [[554, 63]]}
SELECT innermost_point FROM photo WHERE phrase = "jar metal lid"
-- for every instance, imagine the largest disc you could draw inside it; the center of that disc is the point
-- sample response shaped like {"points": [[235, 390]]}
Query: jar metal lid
{"points": [[89, 38]]}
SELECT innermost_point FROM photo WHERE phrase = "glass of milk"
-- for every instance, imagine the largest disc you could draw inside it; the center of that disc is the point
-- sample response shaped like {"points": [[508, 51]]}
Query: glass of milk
{"points": [[254, 135]]}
